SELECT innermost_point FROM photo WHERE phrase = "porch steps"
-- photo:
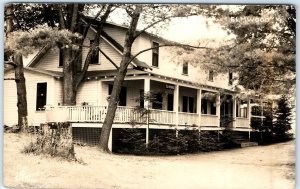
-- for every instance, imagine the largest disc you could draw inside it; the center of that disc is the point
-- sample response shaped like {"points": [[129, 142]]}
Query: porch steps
{"points": [[240, 139], [248, 144]]}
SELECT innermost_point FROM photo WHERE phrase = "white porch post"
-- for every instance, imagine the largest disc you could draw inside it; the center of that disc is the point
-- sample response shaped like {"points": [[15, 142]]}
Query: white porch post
{"points": [[199, 107], [218, 107], [146, 105], [176, 107], [234, 112], [262, 111], [249, 112], [53, 94], [100, 92], [110, 140]]}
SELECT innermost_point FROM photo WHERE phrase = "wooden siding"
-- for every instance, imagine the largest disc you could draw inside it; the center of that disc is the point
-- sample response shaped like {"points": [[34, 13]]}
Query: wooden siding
{"points": [[168, 65], [89, 92], [59, 92], [50, 61], [10, 97]]}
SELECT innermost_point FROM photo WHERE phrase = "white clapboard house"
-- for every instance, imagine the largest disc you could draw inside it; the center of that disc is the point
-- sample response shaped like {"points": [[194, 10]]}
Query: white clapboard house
{"points": [[186, 96]]}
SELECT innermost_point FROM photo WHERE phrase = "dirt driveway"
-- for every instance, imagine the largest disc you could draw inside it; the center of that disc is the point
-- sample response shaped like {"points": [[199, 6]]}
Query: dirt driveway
{"points": [[262, 167]]}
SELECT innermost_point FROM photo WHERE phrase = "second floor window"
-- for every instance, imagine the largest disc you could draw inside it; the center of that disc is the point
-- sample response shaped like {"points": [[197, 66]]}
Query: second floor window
{"points": [[155, 54], [230, 77], [61, 58], [95, 58], [185, 68], [210, 75]]}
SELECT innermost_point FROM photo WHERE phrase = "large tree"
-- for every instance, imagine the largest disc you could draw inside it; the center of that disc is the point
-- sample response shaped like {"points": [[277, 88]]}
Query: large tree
{"points": [[69, 18], [149, 15], [263, 51], [16, 61]]}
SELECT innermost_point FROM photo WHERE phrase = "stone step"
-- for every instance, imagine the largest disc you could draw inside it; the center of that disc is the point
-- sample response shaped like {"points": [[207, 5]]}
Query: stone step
{"points": [[248, 144]]}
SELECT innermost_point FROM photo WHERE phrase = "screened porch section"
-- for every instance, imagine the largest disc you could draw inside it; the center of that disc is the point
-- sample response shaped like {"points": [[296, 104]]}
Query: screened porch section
{"points": [[168, 104]]}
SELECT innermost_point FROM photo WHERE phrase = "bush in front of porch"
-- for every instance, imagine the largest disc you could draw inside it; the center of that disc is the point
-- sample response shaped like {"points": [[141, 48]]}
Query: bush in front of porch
{"points": [[165, 142]]}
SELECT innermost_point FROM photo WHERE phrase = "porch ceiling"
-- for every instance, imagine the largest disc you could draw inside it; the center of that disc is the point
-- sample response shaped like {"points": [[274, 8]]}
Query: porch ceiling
{"points": [[131, 73]]}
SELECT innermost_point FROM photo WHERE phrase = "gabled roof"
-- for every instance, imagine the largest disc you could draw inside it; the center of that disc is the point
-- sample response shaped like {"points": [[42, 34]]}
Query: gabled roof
{"points": [[39, 56], [136, 62], [156, 37], [46, 72]]}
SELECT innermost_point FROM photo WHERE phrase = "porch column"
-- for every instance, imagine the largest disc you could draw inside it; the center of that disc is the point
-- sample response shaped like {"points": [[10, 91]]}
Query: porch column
{"points": [[199, 107], [234, 112], [147, 106], [55, 100], [261, 111], [218, 107], [176, 107], [249, 112], [110, 140], [100, 92]]}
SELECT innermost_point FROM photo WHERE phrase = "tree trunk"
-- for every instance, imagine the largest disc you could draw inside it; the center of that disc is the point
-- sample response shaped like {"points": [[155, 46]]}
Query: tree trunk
{"points": [[112, 107], [9, 18], [69, 90], [21, 92], [19, 76], [114, 98]]}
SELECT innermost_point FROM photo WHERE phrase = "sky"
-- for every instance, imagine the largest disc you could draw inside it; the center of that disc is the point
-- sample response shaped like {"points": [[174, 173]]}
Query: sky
{"points": [[195, 28], [188, 30]]}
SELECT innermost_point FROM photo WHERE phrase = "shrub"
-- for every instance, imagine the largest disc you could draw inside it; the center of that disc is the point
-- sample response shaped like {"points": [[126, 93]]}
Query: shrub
{"points": [[165, 142], [55, 140], [282, 124]]}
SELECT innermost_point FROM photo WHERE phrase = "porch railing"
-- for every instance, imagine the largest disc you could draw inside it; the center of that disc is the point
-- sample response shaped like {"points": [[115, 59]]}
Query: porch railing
{"points": [[129, 114], [185, 118], [242, 122], [210, 120], [162, 116]]}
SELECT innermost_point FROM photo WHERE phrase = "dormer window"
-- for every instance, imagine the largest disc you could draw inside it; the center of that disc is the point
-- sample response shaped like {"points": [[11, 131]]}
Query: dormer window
{"points": [[185, 68], [155, 54], [95, 58], [210, 75], [230, 77], [61, 58]]}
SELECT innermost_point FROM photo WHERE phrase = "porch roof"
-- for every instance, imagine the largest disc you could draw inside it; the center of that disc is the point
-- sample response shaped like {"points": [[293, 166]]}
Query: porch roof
{"points": [[133, 72], [46, 72]]}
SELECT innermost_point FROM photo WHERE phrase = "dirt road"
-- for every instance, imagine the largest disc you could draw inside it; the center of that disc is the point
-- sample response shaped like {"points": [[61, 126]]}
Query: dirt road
{"points": [[262, 167]]}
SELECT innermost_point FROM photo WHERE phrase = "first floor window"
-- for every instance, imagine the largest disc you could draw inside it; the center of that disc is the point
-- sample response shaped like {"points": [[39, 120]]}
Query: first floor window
{"points": [[203, 106], [157, 103], [142, 98], [213, 108], [188, 104], [41, 96], [122, 96], [170, 102]]}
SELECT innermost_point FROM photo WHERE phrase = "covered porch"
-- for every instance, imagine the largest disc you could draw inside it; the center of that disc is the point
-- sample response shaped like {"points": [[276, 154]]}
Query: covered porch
{"points": [[175, 103], [172, 105]]}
